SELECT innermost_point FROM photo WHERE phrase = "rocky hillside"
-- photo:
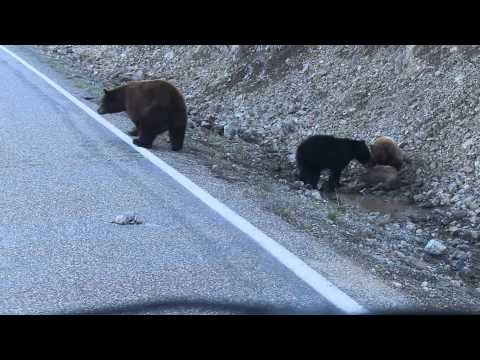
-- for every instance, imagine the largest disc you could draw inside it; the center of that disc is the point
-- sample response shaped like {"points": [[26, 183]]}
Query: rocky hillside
{"points": [[425, 97]]}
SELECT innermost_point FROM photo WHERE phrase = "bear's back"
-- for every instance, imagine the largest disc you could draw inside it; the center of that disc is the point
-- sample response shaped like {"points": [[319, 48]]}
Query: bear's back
{"points": [[145, 95], [325, 151]]}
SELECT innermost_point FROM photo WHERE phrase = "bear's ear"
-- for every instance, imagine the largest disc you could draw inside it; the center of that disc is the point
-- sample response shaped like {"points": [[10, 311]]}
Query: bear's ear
{"points": [[106, 91]]}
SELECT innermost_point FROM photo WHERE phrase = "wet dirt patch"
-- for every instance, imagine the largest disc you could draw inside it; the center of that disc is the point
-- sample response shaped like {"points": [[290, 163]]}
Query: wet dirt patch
{"points": [[382, 204]]}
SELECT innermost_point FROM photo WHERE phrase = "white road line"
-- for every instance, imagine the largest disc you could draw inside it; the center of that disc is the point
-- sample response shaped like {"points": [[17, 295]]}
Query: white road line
{"points": [[319, 283]]}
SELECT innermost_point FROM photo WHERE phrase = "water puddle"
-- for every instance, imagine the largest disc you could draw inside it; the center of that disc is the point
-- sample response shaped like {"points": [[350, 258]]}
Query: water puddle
{"points": [[384, 205]]}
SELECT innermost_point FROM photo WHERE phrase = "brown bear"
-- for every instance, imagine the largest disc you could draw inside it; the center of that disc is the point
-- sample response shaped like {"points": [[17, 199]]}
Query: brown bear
{"points": [[381, 176], [154, 106], [385, 151]]}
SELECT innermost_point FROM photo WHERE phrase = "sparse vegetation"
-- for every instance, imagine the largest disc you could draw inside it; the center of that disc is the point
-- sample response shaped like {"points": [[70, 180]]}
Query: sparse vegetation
{"points": [[332, 215]]}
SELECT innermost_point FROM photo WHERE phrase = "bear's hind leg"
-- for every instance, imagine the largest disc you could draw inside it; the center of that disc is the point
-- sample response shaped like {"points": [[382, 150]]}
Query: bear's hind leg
{"points": [[177, 136], [334, 179], [146, 137], [301, 174], [338, 183]]}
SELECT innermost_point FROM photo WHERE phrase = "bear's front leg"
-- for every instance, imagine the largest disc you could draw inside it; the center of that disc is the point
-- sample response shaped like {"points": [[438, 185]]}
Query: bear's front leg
{"points": [[311, 177], [334, 179], [141, 143], [133, 132]]}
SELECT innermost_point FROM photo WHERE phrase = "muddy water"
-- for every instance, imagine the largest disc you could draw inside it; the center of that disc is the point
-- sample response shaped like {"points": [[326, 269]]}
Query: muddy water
{"points": [[385, 205]]}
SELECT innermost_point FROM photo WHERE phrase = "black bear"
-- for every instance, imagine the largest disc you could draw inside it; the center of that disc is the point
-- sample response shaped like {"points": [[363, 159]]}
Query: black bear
{"points": [[320, 152], [386, 152], [154, 106]]}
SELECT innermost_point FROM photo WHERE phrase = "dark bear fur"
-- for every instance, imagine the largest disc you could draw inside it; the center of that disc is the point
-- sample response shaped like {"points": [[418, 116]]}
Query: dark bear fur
{"points": [[386, 152], [320, 152], [154, 106]]}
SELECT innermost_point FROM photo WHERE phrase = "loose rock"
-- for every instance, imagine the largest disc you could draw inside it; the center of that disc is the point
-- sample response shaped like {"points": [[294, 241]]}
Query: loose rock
{"points": [[435, 247], [129, 218]]}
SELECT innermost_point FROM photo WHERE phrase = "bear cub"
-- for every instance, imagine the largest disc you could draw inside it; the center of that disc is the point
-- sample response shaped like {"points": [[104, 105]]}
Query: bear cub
{"points": [[320, 152], [154, 106], [385, 151]]}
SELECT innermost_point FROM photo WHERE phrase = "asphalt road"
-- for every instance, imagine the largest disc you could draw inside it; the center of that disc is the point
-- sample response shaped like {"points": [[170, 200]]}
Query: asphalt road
{"points": [[65, 177]]}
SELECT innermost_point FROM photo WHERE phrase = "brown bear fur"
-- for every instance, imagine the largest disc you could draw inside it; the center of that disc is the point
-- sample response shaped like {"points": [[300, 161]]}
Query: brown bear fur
{"points": [[381, 176], [385, 151], [154, 106]]}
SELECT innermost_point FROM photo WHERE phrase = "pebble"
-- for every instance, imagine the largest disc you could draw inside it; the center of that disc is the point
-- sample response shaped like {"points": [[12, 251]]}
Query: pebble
{"points": [[475, 235], [230, 130], [457, 283], [316, 195], [435, 247], [403, 244], [410, 226], [425, 286], [205, 124], [418, 240], [399, 254], [129, 218], [292, 158]]}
